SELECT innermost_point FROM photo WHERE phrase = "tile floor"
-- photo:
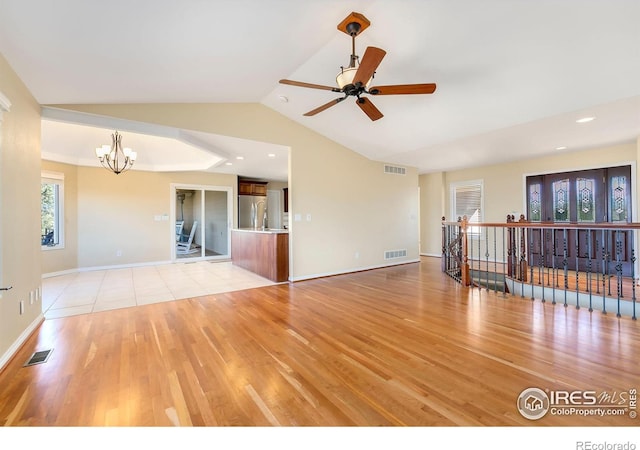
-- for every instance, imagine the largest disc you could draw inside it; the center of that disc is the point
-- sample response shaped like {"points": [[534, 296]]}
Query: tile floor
{"points": [[101, 290]]}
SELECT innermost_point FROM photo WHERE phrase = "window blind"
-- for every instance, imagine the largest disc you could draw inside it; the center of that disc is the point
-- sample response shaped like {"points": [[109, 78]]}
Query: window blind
{"points": [[468, 202]]}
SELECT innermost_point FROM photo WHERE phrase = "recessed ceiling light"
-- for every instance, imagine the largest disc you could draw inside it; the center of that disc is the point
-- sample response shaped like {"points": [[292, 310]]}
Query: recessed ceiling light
{"points": [[561, 148], [239, 157], [271, 155], [585, 119], [228, 164]]}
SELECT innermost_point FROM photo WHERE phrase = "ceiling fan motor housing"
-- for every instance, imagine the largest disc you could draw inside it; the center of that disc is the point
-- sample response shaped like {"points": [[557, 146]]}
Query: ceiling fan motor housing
{"points": [[353, 28]]}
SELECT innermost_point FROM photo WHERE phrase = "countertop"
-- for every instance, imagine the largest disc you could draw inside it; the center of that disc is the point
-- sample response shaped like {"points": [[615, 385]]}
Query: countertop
{"points": [[265, 231]]}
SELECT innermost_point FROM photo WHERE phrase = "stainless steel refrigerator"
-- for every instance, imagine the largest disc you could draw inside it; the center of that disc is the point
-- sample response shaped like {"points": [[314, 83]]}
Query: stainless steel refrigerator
{"points": [[252, 211]]}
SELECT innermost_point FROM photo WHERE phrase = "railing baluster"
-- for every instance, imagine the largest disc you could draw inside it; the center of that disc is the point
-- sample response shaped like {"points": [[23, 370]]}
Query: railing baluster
{"points": [[521, 271], [504, 272], [633, 280], [577, 269], [618, 269], [604, 270], [597, 271], [495, 261], [565, 265], [589, 274], [472, 261], [532, 264], [479, 263], [486, 254], [554, 272], [540, 264]]}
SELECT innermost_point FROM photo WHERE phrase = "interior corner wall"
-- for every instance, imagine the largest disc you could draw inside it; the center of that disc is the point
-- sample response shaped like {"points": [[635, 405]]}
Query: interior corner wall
{"points": [[56, 260], [20, 257], [431, 212], [355, 211]]}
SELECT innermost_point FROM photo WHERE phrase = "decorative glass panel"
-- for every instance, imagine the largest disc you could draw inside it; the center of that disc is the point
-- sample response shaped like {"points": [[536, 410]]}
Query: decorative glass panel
{"points": [[535, 204], [561, 200], [619, 199], [585, 191]]}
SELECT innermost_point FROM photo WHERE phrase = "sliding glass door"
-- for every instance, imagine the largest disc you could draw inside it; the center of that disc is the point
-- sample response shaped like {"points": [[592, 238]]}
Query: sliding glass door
{"points": [[203, 218]]}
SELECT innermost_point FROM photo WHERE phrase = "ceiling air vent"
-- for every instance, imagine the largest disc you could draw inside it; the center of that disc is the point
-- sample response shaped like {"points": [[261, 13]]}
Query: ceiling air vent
{"points": [[393, 254], [395, 170]]}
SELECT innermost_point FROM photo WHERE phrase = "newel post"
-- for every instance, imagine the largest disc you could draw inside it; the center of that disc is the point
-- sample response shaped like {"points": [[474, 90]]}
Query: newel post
{"points": [[511, 246], [523, 251], [464, 265], [443, 260]]}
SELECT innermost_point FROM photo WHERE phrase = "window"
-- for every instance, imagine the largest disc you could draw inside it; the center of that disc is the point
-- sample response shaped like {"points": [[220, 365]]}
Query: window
{"points": [[52, 212], [466, 200]]}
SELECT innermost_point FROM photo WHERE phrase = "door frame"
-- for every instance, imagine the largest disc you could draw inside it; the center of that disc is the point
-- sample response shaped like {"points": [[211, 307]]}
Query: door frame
{"points": [[171, 239], [634, 191], [634, 200]]}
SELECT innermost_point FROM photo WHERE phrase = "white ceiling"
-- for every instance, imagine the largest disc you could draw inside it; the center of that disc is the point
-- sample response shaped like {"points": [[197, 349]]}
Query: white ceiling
{"points": [[512, 75]]}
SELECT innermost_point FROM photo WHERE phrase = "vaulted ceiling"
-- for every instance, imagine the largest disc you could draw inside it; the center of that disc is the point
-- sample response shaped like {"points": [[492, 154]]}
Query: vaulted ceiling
{"points": [[512, 76]]}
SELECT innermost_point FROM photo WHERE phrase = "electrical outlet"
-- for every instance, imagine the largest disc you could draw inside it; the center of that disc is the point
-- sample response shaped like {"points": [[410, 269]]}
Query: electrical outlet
{"points": [[119, 253]]}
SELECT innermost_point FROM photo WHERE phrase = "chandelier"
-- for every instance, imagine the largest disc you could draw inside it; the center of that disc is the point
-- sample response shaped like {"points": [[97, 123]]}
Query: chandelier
{"points": [[115, 158]]}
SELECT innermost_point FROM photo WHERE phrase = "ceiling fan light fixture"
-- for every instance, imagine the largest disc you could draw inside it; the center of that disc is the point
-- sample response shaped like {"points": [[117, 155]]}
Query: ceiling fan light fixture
{"points": [[345, 77]]}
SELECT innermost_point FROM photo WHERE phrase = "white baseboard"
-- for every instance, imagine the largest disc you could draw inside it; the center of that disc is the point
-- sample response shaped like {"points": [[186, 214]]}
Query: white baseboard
{"points": [[11, 351], [358, 269], [115, 266], [60, 273], [433, 255]]}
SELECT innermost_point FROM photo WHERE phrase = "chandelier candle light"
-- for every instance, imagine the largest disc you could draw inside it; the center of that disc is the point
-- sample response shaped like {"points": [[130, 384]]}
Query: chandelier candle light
{"points": [[115, 158]]}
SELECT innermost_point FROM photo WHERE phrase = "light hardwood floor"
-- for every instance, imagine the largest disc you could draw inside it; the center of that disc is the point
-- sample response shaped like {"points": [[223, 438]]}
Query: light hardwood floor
{"points": [[397, 346]]}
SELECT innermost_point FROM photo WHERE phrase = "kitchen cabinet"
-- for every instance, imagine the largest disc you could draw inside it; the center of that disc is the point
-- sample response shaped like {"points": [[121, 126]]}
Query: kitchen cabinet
{"points": [[265, 253], [252, 188]]}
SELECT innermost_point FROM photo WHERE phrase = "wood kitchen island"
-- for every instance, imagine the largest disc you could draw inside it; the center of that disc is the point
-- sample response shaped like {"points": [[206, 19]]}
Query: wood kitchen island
{"points": [[264, 252]]}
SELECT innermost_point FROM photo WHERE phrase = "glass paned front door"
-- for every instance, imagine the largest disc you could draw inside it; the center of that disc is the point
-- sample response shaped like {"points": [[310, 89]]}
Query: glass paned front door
{"points": [[619, 199], [561, 200], [535, 202], [585, 192]]}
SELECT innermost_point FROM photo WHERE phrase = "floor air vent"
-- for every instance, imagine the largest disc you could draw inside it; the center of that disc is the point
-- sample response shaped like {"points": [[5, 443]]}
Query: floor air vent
{"points": [[395, 170], [392, 254], [38, 358]]}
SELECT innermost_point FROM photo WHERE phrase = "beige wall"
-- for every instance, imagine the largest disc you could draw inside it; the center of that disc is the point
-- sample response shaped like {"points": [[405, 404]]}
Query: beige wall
{"points": [[355, 217], [117, 214], [504, 183], [63, 259], [431, 212], [110, 219], [20, 255]]}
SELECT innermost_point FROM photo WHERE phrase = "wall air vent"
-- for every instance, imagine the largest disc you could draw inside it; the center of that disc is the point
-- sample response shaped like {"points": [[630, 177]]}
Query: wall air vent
{"points": [[395, 170], [393, 254]]}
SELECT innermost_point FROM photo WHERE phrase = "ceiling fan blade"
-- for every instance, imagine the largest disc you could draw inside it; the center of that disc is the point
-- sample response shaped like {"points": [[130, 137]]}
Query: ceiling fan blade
{"points": [[327, 105], [369, 63], [369, 108], [309, 85], [425, 88]]}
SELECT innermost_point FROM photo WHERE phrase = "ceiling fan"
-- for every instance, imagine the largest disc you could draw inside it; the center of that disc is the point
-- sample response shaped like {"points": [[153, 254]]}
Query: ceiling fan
{"points": [[354, 81]]}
